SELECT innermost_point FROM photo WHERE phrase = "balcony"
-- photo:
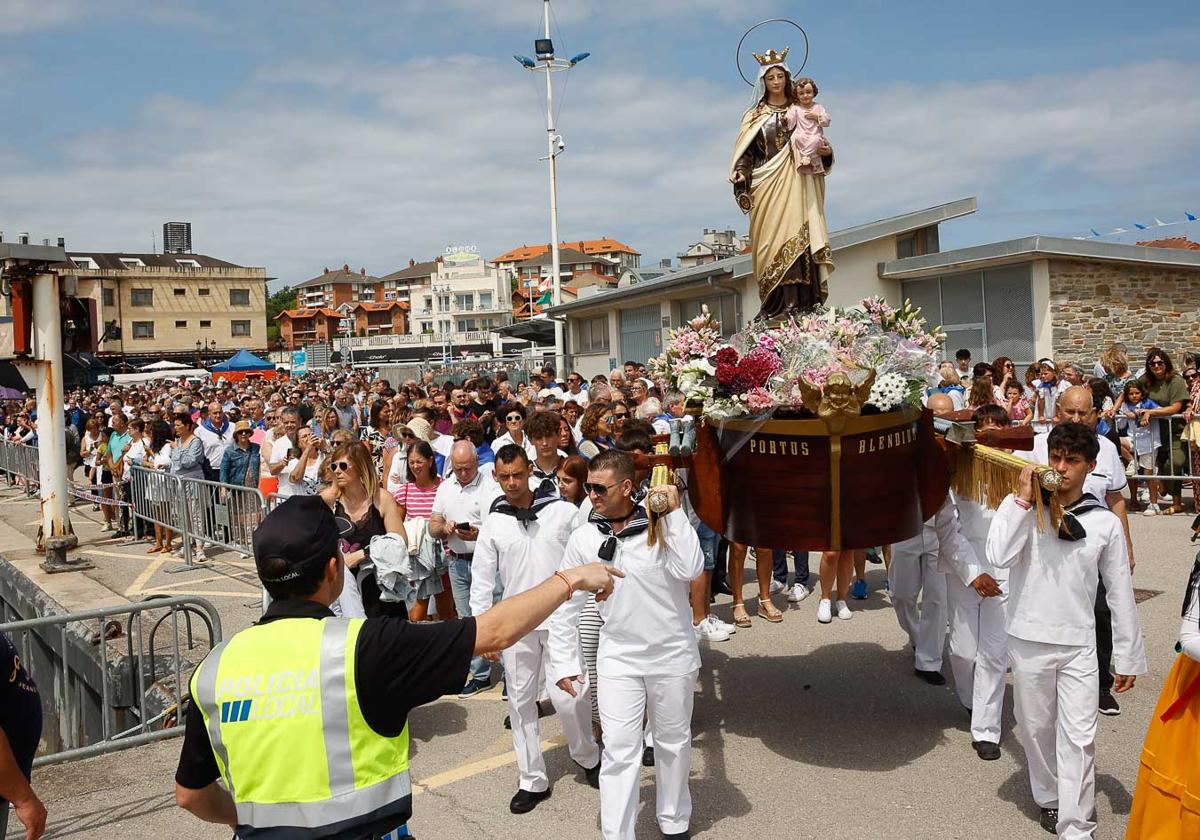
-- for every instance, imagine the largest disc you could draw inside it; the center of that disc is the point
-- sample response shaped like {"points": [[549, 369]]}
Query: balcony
{"points": [[425, 339]]}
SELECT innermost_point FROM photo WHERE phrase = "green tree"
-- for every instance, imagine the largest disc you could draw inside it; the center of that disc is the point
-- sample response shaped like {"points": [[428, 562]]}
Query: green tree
{"points": [[277, 302]]}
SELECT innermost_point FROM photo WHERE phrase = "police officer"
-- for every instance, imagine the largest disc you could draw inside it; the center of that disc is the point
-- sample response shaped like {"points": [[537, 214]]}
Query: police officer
{"points": [[20, 730], [304, 717]]}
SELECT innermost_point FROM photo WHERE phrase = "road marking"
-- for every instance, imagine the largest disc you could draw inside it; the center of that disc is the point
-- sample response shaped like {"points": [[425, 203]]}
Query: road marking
{"points": [[203, 593], [141, 580], [475, 768]]}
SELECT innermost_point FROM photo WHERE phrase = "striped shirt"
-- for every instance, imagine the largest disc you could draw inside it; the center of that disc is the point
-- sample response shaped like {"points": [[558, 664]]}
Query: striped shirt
{"points": [[417, 503]]}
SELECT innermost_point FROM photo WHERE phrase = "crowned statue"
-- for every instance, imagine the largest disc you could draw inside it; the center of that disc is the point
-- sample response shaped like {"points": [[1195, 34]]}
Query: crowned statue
{"points": [[778, 176]]}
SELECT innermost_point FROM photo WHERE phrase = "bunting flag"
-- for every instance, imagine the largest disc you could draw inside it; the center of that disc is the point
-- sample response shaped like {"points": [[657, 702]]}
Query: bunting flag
{"points": [[1188, 217]]}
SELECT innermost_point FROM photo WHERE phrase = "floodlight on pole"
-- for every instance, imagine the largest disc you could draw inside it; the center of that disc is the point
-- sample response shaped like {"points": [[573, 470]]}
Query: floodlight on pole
{"points": [[546, 63]]}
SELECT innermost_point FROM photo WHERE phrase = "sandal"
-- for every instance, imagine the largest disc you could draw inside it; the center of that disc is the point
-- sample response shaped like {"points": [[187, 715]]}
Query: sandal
{"points": [[1172, 510], [740, 619], [770, 612]]}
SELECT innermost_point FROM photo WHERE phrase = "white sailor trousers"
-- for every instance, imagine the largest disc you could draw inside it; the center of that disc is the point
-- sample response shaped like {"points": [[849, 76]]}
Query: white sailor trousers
{"points": [[624, 703], [525, 664], [978, 654], [915, 573], [1056, 689]]}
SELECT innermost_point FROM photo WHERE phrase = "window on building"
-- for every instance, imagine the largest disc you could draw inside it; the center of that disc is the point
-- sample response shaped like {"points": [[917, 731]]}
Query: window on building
{"points": [[428, 304], [918, 243], [443, 303], [180, 292], [427, 327], [464, 303], [108, 297], [206, 325], [239, 297], [141, 297], [988, 312], [467, 325], [485, 300], [131, 262], [239, 329], [181, 325], [487, 324], [724, 309], [202, 291], [143, 329], [591, 335], [182, 263]]}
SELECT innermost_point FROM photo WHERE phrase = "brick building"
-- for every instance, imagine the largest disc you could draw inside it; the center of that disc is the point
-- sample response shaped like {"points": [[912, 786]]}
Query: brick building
{"points": [[608, 249]]}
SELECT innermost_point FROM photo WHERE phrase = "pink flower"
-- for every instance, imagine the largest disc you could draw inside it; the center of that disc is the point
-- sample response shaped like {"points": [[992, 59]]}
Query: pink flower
{"points": [[758, 399]]}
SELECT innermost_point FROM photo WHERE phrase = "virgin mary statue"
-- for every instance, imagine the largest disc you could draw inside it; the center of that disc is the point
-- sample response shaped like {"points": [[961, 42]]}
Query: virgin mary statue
{"points": [[786, 202]]}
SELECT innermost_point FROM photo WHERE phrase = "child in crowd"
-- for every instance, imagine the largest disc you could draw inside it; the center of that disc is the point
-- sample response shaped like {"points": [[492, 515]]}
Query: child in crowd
{"points": [[1145, 439], [806, 120], [1049, 388], [1016, 403]]}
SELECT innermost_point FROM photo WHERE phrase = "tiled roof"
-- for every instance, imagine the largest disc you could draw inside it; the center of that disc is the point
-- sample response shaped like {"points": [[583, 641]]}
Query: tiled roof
{"points": [[586, 246], [412, 272], [1172, 242], [566, 256], [110, 261], [308, 313], [340, 275], [379, 307]]}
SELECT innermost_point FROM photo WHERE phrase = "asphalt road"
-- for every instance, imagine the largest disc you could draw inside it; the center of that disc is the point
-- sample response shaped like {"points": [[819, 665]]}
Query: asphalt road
{"points": [[801, 731]]}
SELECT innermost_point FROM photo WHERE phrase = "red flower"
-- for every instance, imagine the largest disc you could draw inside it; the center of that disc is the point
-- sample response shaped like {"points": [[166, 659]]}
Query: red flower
{"points": [[757, 368], [726, 374], [726, 356]]}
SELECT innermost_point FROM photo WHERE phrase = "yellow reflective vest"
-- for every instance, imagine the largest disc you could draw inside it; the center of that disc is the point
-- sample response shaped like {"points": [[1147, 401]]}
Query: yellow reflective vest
{"points": [[280, 704]]}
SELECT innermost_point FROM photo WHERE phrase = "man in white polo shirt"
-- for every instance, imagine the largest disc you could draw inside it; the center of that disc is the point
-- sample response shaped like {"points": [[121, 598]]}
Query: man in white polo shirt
{"points": [[455, 519]]}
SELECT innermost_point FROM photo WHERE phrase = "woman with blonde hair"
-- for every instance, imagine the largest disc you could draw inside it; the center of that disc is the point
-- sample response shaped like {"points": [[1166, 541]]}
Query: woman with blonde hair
{"points": [[363, 509]]}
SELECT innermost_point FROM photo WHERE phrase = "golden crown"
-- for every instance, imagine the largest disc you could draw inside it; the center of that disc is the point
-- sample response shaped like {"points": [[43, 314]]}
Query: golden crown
{"points": [[771, 57]]}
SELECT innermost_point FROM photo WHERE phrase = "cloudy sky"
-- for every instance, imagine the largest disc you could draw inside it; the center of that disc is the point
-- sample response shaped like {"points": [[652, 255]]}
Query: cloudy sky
{"points": [[298, 135]]}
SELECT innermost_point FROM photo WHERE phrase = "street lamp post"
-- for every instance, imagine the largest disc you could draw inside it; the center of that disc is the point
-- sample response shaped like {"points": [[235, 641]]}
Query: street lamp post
{"points": [[546, 63]]}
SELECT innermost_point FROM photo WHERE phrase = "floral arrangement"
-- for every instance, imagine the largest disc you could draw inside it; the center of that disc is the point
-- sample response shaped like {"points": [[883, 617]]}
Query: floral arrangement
{"points": [[758, 371]]}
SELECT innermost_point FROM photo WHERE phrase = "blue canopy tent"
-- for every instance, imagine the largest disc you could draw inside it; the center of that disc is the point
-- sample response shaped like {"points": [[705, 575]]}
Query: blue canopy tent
{"points": [[243, 365]]}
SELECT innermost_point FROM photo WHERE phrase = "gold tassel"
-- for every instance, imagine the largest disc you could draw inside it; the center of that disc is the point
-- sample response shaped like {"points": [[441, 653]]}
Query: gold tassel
{"points": [[987, 475], [659, 475]]}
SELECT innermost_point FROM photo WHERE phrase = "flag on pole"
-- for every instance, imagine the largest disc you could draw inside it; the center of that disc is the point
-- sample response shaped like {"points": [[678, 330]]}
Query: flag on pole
{"points": [[1096, 232], [545, 300], [1139, 227], [1190, 217], [1159, 222]]}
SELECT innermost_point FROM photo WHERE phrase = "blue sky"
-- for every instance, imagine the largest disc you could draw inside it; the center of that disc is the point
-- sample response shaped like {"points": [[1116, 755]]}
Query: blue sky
{"points": [[298, 135]]}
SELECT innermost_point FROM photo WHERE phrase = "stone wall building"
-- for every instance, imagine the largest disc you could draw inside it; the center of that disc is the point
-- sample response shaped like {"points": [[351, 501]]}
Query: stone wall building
{"points": [[1094, 304]]}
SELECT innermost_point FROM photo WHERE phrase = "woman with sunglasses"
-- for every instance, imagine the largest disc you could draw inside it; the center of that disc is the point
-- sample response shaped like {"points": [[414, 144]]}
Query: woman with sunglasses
{"points": [[273, 423], [1191, 418], [620, 414], [414, 500], [594, 431], [1168, 389], [513, 416], [363, 510]]}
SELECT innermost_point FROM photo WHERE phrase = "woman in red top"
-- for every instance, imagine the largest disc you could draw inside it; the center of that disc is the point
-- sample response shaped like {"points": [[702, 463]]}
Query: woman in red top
{"points": [[415, 500]]}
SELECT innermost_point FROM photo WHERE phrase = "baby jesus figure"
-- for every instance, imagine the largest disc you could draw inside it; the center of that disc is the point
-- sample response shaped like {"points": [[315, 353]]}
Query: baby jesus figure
{"points": [[807, 121]]}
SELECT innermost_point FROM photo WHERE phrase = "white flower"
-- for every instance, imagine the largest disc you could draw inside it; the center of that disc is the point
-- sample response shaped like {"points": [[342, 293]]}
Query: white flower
{"points": [[888, 392]]}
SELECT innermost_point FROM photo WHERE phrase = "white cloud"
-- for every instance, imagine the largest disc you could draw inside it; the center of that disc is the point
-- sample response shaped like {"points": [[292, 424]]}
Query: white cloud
{"points": [[20, 16], [317, 164]]}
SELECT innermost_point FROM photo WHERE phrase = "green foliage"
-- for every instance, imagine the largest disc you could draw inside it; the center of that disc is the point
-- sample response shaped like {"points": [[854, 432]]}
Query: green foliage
{"points": [[277, 302]]}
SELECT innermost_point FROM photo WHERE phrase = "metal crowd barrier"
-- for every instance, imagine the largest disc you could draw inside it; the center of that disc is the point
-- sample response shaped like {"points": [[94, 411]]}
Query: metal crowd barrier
{"points": [[223, 515], [61, 662], [1184, 454]]}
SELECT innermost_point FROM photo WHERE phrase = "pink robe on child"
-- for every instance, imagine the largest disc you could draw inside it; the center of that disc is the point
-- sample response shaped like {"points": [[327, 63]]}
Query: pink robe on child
{"points": [[807, 137]]}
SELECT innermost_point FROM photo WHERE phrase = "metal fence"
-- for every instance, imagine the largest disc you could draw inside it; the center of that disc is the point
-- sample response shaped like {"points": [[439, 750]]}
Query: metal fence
{"points": [[141, 688], [202, 513]]}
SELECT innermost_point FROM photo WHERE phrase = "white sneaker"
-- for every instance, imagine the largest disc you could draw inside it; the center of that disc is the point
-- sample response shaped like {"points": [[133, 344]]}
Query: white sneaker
{"points": [[843, 612], [799, 593], [1151, 510], [1131, 469], [1166, 498], [1143, 494], [724, 625], [776, 587], [706, 631], [825, 611]]}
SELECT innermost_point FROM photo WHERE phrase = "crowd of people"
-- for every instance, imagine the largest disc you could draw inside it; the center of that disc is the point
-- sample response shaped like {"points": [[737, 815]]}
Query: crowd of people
{"points": [[450, 497]]}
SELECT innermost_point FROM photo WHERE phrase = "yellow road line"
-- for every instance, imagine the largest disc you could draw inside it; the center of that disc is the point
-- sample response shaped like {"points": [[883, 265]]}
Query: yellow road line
{"points": [[141, 580], [475, 768], [204, 593]]}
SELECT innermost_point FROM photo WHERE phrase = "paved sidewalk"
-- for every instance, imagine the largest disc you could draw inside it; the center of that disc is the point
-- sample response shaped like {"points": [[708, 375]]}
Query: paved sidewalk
{"points": [[801, 731]]}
